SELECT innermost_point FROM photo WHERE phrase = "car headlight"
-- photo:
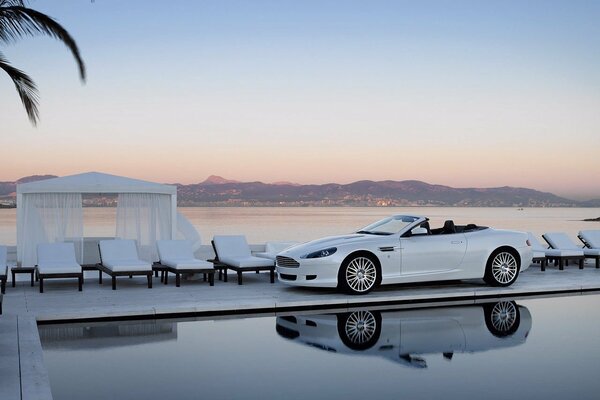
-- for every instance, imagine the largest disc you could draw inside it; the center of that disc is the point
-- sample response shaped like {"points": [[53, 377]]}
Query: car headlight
{"points": [[321, 253]]}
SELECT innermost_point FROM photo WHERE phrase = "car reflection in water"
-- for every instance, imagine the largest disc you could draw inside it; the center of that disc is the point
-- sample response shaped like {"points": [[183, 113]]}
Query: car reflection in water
{"points": [[404, 336]]}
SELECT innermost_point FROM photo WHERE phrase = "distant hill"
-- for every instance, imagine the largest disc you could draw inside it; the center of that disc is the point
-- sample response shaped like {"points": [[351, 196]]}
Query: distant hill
{"points": [[219, 191], [10, 188]]}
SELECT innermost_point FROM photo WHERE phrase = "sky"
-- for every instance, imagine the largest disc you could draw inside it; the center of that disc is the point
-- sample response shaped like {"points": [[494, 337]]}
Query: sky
{"points": [[459, 93]]}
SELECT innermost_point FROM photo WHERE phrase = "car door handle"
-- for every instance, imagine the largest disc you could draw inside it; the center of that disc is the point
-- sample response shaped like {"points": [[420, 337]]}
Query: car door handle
{"points": [[456, 241]]}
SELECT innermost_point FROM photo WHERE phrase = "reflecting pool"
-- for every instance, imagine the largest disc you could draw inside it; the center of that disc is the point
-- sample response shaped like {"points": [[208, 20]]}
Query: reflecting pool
{"points": [[546, 348]]}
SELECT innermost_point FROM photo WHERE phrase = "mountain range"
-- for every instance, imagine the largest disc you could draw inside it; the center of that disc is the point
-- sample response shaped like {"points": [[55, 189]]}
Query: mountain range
{"points": [[218, 191]]}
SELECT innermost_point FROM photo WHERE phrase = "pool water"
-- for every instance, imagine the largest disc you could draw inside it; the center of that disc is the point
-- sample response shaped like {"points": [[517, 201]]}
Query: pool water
{"points": [[546, 348]]}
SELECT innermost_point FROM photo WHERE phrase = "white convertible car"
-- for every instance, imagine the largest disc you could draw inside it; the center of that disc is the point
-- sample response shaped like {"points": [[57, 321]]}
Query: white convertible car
{"points": [[403, 249]]}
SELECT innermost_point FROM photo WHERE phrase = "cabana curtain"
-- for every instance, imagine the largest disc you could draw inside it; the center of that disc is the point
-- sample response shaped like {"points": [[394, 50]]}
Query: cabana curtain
{"points": [[49, 218], [145, 217]]}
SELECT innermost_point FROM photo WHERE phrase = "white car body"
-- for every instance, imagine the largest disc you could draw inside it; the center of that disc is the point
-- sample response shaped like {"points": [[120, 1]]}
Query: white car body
{"points": [[404, 336], [403, 258]]}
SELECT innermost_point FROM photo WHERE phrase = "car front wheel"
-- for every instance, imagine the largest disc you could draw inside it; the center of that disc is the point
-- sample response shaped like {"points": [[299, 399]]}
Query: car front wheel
{"points": [[502, 268], [358, 275]]}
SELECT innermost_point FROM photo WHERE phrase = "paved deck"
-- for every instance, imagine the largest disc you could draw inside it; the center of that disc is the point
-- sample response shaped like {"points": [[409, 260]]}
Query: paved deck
{"points": [[22, 371]]}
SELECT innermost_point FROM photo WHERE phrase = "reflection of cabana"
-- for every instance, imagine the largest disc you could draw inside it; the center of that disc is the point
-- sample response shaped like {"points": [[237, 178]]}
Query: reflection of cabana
{"points": [[51, 211], [105, 335]]}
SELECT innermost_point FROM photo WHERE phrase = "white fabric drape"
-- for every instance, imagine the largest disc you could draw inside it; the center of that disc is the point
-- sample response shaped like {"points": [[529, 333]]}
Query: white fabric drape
{"points": [[49, 218], [187, 231], [145, 217]]}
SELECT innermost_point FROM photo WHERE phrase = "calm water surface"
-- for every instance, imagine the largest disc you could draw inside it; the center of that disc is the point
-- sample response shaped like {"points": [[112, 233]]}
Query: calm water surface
{"points": [[534, 349], [261, 224]]}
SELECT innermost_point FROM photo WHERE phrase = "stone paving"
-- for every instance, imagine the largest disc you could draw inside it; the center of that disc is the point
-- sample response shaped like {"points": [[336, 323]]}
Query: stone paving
{"points": [[22, 371]]}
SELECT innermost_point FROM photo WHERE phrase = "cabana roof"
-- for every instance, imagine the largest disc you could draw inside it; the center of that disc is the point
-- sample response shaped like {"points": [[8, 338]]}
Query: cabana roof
{"points": [[95, 182]]}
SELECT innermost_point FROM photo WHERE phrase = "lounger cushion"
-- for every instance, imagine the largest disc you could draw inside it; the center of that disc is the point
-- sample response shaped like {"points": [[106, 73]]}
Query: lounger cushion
{"points": [[174, 249], [559, 240], [121, 255], [564, 253], [58, 268], [57, 258], [183, 263], [119, 249], [127, 265], [231, 246], [591, 252], [246, 262], [539, 254], [535, 243], [592, 237], [56, 253]]}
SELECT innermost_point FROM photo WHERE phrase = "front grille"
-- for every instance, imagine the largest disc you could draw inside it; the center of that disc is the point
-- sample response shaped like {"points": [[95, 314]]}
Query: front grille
{"points": [[287, 262]]}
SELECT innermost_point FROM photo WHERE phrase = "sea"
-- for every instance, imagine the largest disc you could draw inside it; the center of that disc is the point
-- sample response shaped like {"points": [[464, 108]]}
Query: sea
{"points": [[262, 224]]}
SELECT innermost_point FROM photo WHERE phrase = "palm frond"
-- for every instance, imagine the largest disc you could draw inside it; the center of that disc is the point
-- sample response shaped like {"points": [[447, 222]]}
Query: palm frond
{"points": [[25, 87], [11, 3], [17, 22]]}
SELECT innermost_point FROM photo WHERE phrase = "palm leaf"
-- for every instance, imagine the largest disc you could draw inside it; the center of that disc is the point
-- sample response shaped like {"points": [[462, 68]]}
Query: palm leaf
{"points": [[17, 21], [25, 87]]}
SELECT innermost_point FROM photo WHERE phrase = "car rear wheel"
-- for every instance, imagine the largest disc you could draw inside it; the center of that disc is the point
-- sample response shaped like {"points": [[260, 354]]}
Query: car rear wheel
{"points": [[502, 268], [358, 275]]}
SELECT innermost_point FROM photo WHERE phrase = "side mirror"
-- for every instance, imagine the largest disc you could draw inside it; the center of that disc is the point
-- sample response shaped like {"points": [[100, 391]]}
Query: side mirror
{"points": [[418, 231]]}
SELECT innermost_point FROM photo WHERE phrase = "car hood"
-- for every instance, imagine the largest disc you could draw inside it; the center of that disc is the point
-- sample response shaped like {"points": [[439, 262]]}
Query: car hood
{"points": [[324, 243]]}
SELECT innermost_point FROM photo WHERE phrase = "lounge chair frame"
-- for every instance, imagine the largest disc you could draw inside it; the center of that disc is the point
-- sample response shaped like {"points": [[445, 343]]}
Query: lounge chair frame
{"points": [[221, 266], [78, 275], [542, 260], [3, 278], [209, 273]]}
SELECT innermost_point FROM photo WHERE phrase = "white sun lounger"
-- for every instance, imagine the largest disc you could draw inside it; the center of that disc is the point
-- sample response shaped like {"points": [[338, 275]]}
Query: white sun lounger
{"points": [[274, 248], [3, 269], [120, 258], [591, 240], [57, 260], [565, 249], [176, 256], [539, 251], [233, 252]]}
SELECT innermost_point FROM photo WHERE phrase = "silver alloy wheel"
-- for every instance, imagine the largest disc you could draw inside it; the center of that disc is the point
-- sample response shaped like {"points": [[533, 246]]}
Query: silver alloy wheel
{"points": [[504, 267], [504, 316], [361, 274], [360, 327]]}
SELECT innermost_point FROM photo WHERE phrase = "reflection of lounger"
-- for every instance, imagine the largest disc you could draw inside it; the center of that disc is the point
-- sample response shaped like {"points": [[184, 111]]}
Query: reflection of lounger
{"points": [[234, 253], [57, 260], [120, 258], [564, 249], [591, 240], [177, 257]]}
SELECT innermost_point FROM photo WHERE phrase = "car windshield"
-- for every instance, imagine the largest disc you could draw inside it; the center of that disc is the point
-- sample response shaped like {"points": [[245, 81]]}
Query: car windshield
{"points": [[388, 226]]}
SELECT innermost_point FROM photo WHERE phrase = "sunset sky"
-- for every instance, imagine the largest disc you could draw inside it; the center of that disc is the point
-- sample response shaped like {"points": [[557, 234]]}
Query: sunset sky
{"points": [[460, 93]]}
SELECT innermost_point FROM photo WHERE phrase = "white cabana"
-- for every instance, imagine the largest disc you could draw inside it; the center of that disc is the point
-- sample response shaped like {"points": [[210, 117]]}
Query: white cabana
{"points": [[51, 211]]}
